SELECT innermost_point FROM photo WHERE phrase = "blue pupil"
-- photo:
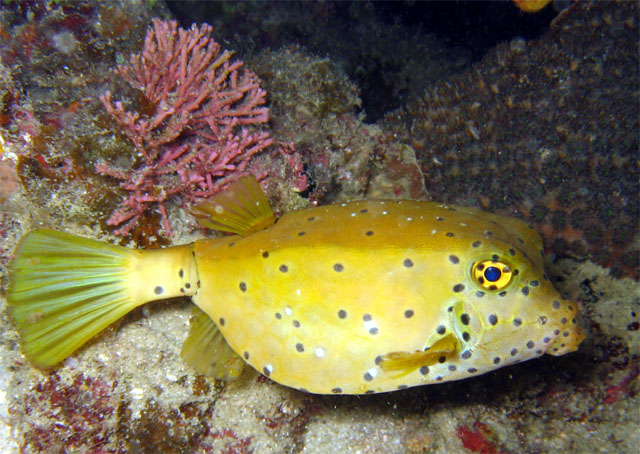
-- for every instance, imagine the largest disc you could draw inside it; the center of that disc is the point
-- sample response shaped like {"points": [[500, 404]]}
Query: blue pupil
{"points": [[492, 274]]}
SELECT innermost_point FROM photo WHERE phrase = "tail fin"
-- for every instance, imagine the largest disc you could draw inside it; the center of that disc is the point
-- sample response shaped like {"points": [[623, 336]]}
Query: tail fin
{"points": [[65, 289]]}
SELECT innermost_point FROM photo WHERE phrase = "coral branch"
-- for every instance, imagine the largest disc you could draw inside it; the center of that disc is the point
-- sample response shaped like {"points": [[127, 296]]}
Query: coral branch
{"points": [[191, 140]]}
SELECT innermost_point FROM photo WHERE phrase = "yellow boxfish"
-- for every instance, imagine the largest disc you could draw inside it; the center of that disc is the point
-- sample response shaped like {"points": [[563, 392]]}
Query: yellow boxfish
{"points": [[360, 297]]}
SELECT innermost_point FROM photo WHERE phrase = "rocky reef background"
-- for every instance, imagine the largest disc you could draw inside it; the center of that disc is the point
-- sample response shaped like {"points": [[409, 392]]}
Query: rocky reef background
{"points": [[532, 116]]}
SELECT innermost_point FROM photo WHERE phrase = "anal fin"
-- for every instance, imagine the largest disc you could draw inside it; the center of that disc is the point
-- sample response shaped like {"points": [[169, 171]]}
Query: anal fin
{"points": [[407, 362], [207, 351]]}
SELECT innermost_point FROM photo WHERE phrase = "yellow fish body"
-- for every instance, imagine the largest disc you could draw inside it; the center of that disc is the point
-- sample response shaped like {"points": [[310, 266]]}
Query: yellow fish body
{"points": [[360, 297]]}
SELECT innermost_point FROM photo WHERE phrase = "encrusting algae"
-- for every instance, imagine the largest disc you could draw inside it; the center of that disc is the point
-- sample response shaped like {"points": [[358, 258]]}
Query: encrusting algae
{"points": [[360, 297]]}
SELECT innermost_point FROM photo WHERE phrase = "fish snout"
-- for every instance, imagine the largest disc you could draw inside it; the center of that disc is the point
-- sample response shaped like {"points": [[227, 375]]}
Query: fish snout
{"points": [[569, 338]]}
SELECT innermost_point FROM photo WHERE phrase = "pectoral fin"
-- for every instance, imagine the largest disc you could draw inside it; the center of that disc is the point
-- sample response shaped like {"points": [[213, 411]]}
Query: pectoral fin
{"points": [[207, 351], [407, 362]]}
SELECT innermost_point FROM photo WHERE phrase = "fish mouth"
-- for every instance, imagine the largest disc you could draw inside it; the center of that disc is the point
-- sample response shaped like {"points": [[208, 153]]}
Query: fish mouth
{"points": [[567, 341]]}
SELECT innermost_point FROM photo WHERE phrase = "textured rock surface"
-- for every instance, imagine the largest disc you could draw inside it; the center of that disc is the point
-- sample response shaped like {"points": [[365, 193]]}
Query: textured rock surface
{"points": [[546, 130]]}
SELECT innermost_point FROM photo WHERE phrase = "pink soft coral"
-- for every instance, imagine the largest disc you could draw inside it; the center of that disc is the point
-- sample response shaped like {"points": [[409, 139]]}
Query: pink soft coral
{"points": [[201, 133]]}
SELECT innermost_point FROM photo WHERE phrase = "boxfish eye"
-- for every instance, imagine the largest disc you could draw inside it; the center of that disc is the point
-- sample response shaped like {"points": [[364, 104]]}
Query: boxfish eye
{"points": [[492, 275]]}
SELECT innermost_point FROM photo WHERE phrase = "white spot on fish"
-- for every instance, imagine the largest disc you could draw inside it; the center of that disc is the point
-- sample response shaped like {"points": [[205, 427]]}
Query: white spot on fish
{"points": [[298, 292], [370, 324], [320, 352], [288, 311], [373, 372], [384, 212], [433, 232], [409, 219], [353, 214], [268, 368]]}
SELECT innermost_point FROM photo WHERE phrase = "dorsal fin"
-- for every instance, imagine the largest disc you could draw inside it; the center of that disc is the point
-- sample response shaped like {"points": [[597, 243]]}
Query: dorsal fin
{"points": [[242, 209], [206, 350]]}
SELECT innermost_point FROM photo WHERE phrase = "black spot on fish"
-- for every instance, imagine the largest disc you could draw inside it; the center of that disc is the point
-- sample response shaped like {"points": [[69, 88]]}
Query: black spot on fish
{"points": [[243, 287], [278, 315], [265, 254], [408, 263], [408, 313], [342, 313], [450, 235], [369, 232], [296, 323], [284, 268], [424, 370], [514, 351], [441, 330], [442, 359], [366, 317], [373, 331], [301, 233], [464, 318], [466, 354], [299, 347], [454, 259], [338, 267], [472, 370], [493, 319], [336, 390], [458, 288], [246, 356], [158, 290], [364, 210], [525, 290], [222, 322], [466, 336], [476, 243], [517, 322], [368, 376], [232, 244], [530, 344], [496, 360], [181, 272], [378, 359], [187, 285]]}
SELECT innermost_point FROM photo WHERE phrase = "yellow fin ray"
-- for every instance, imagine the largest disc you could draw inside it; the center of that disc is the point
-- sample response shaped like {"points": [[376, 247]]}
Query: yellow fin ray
{"points": [[64, 290], [242, 209], [407, 362], [206, 350]]}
